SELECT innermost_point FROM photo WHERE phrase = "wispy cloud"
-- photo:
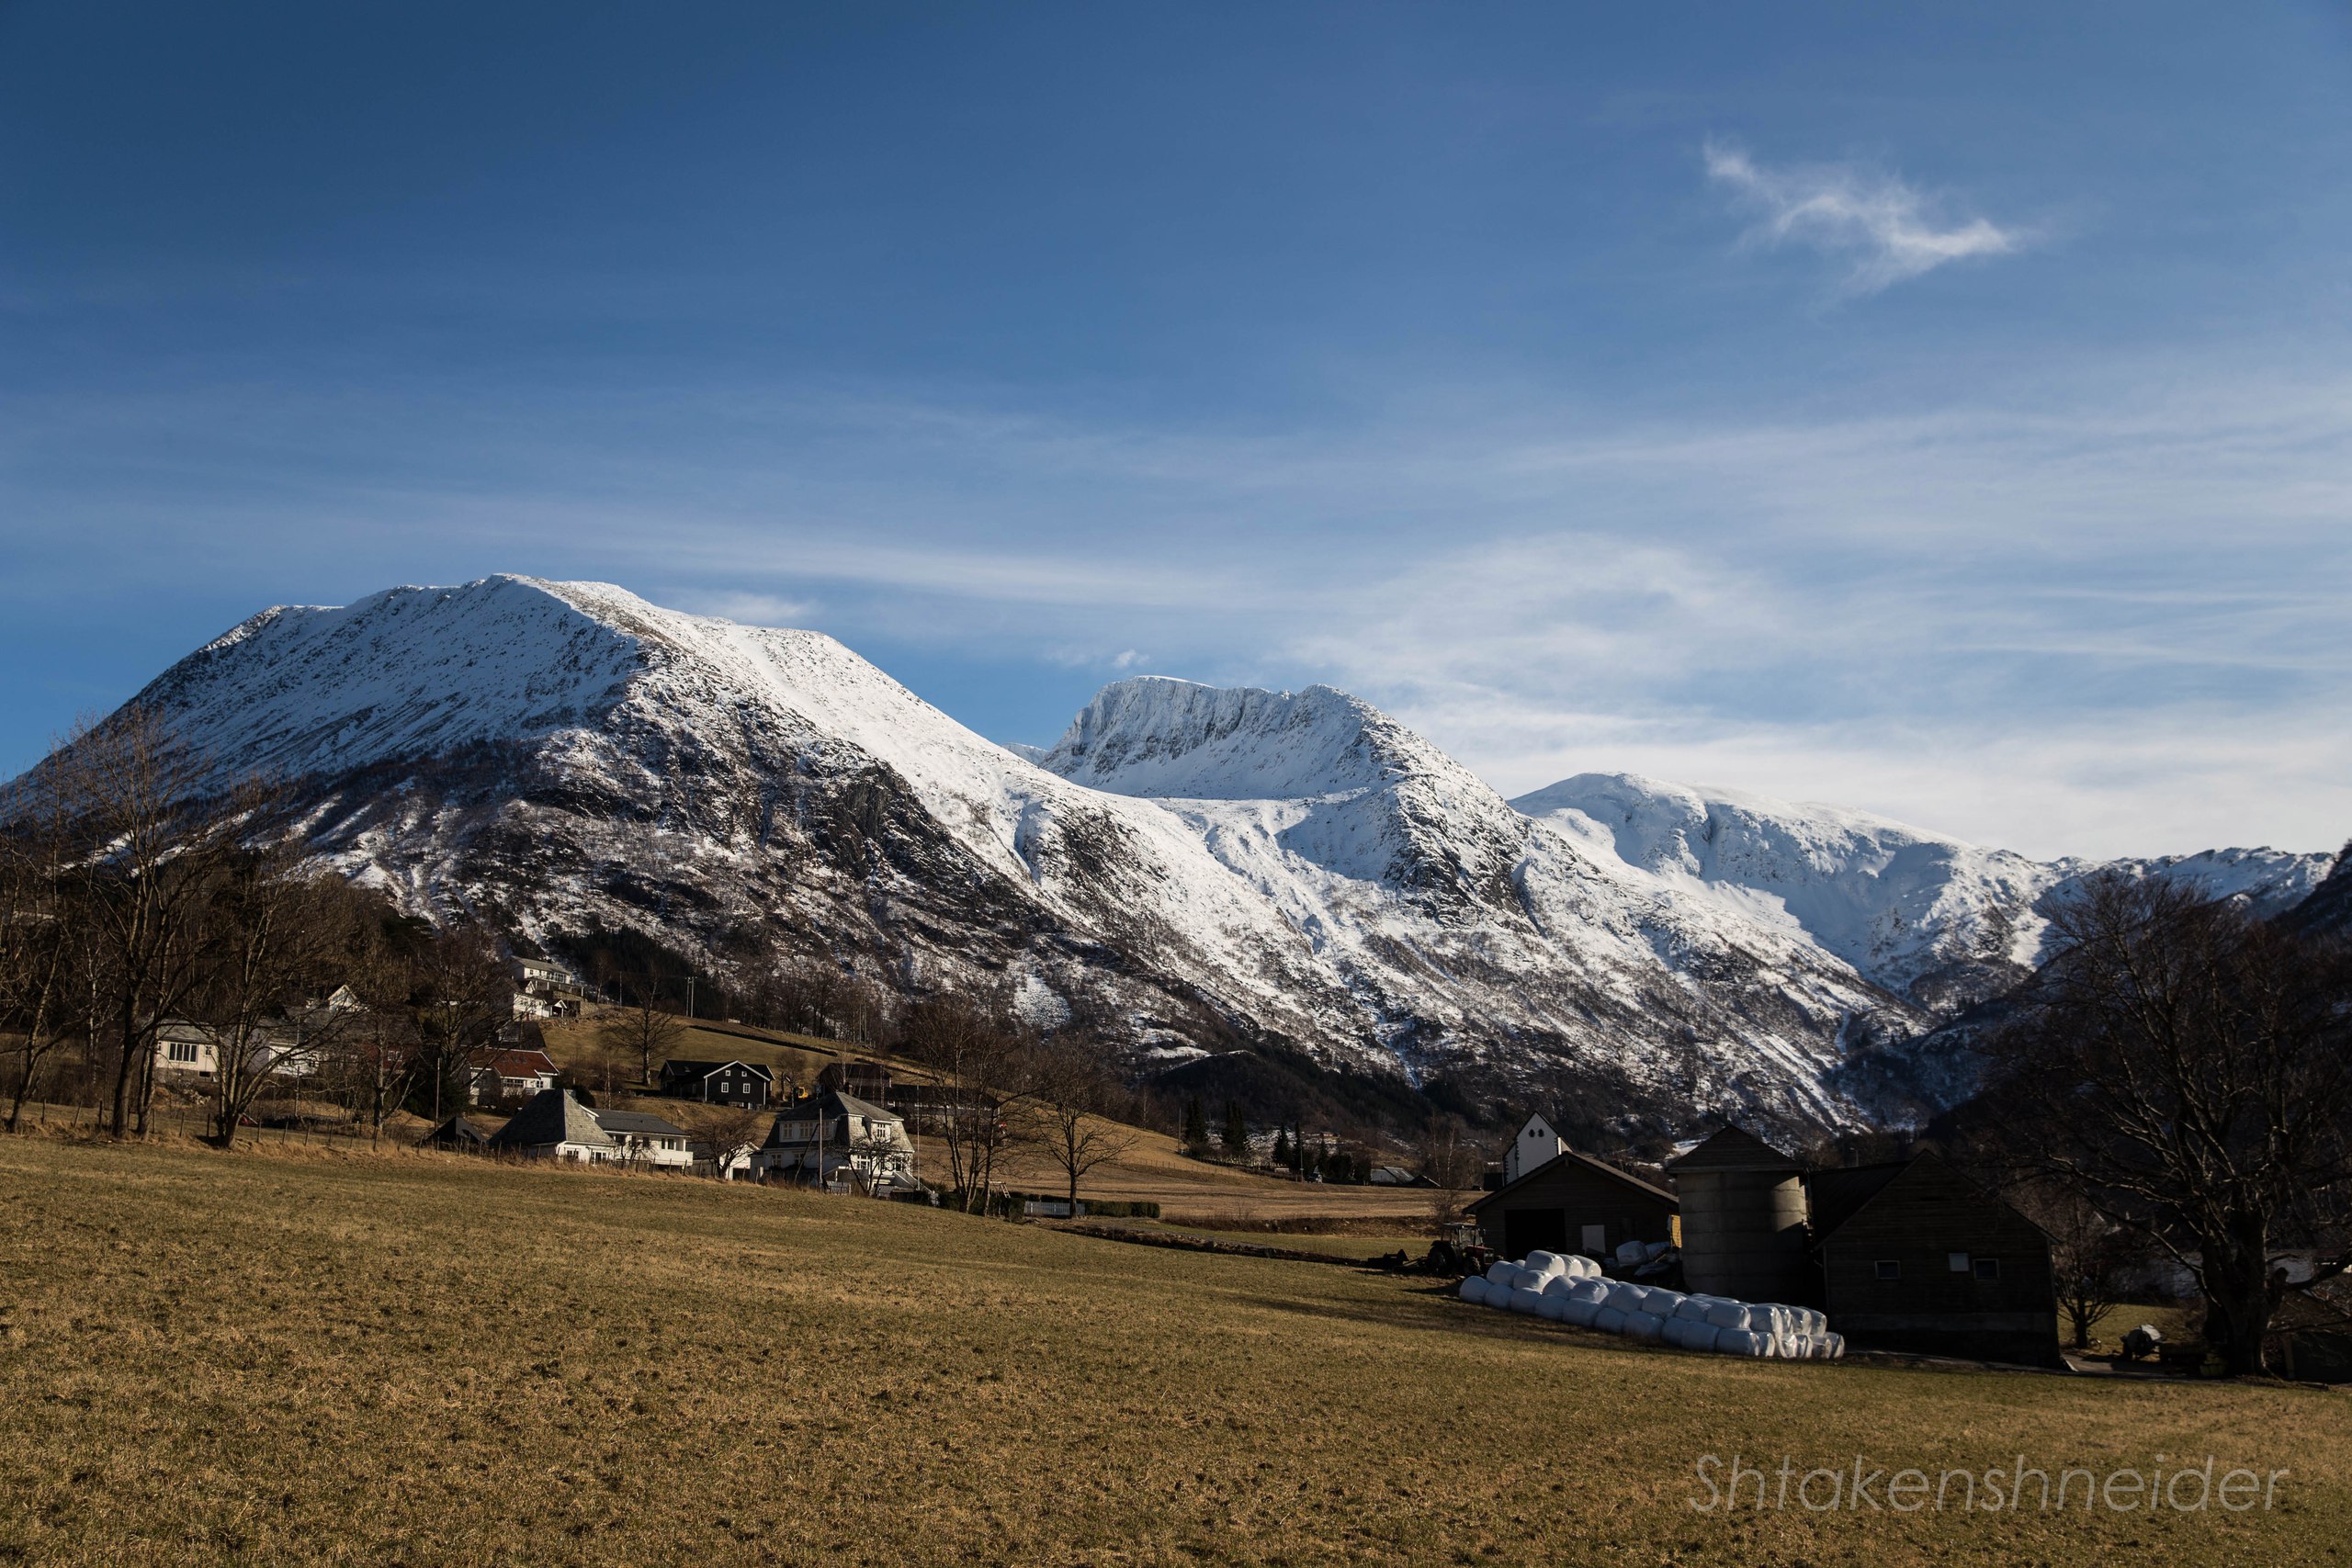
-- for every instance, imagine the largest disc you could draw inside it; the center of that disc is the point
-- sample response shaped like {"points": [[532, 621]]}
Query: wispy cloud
{"points": [[1891, 230]]}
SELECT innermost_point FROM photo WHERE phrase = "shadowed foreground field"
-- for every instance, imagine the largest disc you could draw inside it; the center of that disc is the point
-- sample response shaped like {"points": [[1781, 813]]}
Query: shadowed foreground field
{"points": [[269, 1358]]}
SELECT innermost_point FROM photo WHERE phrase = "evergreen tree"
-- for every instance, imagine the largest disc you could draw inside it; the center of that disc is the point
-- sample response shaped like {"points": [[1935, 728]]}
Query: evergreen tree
{"points": [[1196, 1124], [1281, 1148], [1237, 1130]]}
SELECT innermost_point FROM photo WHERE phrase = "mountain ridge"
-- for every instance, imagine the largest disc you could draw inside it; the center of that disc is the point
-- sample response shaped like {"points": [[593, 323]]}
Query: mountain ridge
{"points": [[1213, 866]]}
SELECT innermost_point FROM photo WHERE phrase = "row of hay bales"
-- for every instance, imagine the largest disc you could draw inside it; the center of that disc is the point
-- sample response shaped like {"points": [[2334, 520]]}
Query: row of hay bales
{"points": [[1570, 1290]]}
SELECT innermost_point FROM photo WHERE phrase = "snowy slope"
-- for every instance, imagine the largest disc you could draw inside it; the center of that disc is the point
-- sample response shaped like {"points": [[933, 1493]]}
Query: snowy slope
{"points": [[1215, 866], [569, 753], [1939, 920]]}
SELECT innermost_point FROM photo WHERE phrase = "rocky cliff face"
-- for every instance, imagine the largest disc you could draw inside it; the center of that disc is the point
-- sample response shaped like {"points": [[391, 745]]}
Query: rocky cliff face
{"points": [[1212, 865]]}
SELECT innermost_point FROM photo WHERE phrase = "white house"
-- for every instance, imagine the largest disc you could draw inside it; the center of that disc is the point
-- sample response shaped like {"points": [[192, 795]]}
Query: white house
{"points": [[642, 1139], [839, 1140], [513, 1075], [1536, 1147]]}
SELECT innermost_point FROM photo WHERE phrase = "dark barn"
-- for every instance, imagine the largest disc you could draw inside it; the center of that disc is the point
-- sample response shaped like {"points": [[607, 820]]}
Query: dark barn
{"points": [[1573, 1204], [1915, 1257]]}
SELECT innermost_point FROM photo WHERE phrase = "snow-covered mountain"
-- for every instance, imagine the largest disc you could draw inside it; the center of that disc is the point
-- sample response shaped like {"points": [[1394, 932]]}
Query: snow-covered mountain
{"points": [[1214, 865]]}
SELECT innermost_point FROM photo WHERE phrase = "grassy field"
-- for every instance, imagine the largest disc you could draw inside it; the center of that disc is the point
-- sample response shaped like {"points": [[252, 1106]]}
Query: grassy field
{"points": [[296, 1356]]}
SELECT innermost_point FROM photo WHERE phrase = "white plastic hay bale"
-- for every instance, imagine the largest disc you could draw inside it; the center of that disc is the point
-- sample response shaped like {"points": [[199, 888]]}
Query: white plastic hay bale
{"points": [[1551, 1304], [1698, 1333], [1593, 1291], [1694, 1308], [1609, 1320], [1592, 1269], [1474, 1289], [1526, 1301], [1579, 1312], [1626, 1296], [1653, 1251], [1658, 1301], [1499, 1272], [1739, 1342], [1731, 1316], [1632, 1252], [1559, 1285], [1837, 1345], [1546, 1262], [1647, 1327]]}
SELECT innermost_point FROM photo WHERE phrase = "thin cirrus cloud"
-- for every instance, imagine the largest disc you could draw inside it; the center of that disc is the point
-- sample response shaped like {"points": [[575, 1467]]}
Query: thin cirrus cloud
{"points": [[1891, 231]]}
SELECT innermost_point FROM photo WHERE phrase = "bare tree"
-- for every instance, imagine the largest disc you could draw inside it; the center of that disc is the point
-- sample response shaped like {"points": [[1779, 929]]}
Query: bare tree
{"points": [[40, 980], [1450, 1160], [730, 1131], [2089, 1254], [271, 949], [150, 820], [643, 1030], [462, 999], [1072, 1086], [2187, 1071], [981, 1066]]}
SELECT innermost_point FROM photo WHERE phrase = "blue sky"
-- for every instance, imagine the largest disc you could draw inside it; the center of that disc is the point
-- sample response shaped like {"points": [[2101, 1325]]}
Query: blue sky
{"points": [[1944, 414]]}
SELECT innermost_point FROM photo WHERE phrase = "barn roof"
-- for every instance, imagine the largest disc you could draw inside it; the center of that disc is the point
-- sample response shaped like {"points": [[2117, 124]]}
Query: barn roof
{"points": [[1836, 1196], [1598, 1168], [1731, 1149]]}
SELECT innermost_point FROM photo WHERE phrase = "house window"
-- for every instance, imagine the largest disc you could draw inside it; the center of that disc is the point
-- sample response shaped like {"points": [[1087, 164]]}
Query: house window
{"points": [[1890, 1268], [1959, 1261], [183, 1051], [1988, 1268]]}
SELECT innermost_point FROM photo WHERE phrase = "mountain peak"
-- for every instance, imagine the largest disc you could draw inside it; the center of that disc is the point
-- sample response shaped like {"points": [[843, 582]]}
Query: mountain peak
{"points": [[1179, 740]]}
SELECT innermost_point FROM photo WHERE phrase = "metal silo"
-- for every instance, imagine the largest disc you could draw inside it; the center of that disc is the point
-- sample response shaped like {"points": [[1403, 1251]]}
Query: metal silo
{"points": [[1743, 1219]]}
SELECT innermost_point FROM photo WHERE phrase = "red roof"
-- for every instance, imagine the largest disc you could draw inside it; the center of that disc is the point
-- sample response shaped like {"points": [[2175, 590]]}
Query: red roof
{"points": [[523, 1065]]}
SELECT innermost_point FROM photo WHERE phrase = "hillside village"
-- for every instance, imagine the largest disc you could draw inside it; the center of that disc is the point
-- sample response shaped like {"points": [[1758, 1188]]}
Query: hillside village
{"points": [[1904, 1255]]}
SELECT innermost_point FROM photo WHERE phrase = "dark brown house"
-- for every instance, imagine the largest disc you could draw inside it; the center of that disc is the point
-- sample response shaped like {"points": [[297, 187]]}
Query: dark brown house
{"points": [[1915, 1257], [720, 1083], [1573, 1204]]}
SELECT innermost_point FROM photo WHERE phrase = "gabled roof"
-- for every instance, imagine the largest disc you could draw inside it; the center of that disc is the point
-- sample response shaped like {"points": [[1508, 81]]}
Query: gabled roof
{"points": [[1598, 1167], [825, 1105], [521, 1064], [635, 1121], [679, 1066], [456, 1130], [1836, 1196], [552, 1117], [1848, 1192], [1731, 1149]]}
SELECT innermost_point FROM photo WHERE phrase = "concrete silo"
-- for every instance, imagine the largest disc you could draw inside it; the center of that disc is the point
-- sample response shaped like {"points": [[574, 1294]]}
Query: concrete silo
{"points": [[1743, 1219]]}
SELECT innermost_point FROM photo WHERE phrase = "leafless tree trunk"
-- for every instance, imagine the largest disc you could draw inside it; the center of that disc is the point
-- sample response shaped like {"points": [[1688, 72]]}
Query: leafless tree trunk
{"points": [[643, 1030], [1449, 1160], [2088, 1253], [1070, 1088], [463, 998], [41, 981], [272, 950], [150, 821], [981, 1069], [2187, 1071]]}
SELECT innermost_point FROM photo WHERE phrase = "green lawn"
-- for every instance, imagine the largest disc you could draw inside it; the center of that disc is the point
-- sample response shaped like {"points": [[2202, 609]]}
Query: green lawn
{"points": [[289, 1356]]}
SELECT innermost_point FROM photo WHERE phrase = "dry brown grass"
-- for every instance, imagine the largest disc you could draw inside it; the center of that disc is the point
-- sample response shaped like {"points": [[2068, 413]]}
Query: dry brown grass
{"points": [[308, 1357]]}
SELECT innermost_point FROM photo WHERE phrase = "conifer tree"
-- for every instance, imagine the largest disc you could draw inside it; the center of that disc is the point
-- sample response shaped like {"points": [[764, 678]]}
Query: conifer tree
{"points": [[1237, 1129], [1196, 1124]]}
